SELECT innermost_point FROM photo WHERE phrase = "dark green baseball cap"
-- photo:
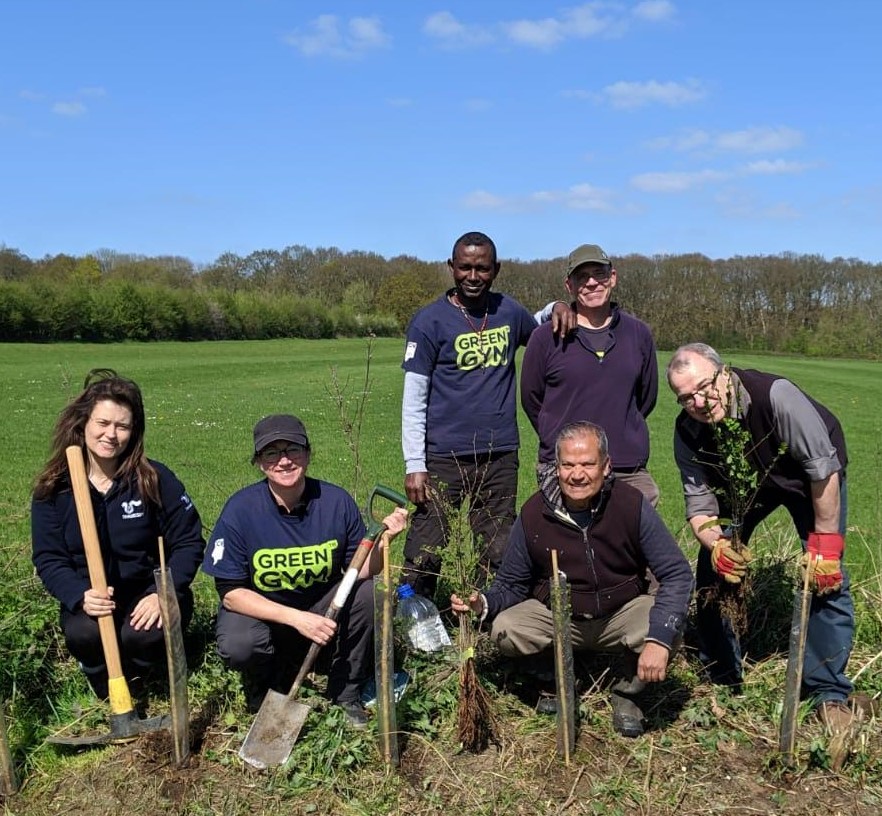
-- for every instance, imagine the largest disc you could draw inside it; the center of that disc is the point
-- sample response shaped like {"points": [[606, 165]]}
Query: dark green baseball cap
{"points": [[585, 254]]}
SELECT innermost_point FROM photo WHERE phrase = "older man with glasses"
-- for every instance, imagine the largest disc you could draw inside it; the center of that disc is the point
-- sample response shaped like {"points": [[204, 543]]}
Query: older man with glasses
{"points": [[278, 553], [798, 451]]}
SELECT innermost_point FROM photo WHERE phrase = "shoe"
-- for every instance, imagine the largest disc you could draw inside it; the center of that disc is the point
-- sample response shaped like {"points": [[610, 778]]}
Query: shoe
{"points": [[97, 678], [255, 690], [627, 716], [837, 715], [547, 704], [355, 714]]}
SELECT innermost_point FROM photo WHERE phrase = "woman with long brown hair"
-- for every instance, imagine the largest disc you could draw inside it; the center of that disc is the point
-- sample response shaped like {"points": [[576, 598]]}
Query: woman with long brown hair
{"points": [[135, 501]]}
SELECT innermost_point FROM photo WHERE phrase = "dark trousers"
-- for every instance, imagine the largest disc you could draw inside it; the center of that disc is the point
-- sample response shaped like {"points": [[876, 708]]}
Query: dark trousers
{"points": [[831, 617], [489, 482], [139, 650], [270, 654]]}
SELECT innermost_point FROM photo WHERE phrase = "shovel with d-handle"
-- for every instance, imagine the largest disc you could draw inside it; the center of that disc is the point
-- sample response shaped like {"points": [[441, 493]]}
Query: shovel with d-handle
{"points": [[124, 721], [564, 676], [278, 722], [176, 658], [802, 602]]}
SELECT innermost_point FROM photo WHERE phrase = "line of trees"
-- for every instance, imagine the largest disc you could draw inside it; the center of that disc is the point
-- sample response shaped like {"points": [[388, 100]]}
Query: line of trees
{"points": [[782, 303]]}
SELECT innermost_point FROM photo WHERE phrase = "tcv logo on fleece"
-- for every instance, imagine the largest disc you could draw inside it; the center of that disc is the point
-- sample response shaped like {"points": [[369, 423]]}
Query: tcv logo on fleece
{"points": [[130, 509]]}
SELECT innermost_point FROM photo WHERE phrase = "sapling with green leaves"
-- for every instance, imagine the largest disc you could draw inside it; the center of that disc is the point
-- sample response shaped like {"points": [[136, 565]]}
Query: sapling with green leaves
{"points": [[739, 484], [476, 727]]}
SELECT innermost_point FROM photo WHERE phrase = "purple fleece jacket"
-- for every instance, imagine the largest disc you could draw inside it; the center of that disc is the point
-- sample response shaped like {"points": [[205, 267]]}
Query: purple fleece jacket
{"points": [[607, 376]]}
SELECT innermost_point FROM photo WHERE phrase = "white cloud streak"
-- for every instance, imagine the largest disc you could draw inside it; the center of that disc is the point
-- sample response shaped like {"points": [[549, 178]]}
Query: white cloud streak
{"points": [[450, 33], [682, 181], [678, 181], [578, 197], [328, 36], [586, 21], [760, 139], [654, 10], [69, 108], [631, 95], [764, 139]]}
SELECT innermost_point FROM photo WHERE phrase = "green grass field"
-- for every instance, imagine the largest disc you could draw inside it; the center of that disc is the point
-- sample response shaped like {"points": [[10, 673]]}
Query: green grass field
{"points": [[202, 400]]}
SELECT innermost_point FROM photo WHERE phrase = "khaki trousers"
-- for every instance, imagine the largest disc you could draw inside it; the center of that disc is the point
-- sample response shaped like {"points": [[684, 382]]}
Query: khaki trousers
{"points": [[527, 628]]}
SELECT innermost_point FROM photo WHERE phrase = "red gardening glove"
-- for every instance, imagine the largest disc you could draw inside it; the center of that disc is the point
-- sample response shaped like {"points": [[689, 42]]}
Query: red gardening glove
{"points": [[730, 564], [824, 553]]}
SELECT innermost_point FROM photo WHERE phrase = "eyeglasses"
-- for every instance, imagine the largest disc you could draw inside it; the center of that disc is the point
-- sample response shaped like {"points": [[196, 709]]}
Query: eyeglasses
{"points": [[601, 274], [270, 456], [688, 400]]}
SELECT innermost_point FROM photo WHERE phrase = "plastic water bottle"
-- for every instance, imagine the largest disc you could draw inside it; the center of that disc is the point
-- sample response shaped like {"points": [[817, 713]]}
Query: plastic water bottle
{"points": [[425, 631]]}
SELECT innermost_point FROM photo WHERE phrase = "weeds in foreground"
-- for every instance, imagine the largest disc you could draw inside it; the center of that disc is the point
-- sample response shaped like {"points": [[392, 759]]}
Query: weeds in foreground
{"points": [[351, 412]]}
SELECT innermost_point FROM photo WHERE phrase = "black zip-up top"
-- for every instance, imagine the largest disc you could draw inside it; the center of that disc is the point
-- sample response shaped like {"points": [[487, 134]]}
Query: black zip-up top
{"points": [[128, 530]]}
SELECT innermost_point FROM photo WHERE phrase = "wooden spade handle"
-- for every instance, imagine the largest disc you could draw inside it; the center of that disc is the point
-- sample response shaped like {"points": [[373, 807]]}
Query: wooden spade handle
{"points": [[83, 501]]}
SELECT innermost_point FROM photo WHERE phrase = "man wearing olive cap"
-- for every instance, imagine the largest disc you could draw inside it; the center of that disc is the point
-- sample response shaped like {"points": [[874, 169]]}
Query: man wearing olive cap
{"points": [[605, 372]]}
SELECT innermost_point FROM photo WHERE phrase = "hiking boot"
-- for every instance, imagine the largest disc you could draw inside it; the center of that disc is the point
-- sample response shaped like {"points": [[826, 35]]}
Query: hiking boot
{"points": [[837, 715], [627, 716], [355, 714]]}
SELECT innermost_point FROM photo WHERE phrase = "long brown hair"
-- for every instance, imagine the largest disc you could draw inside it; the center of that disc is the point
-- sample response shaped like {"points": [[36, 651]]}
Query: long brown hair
{"points": [[100, 384]]}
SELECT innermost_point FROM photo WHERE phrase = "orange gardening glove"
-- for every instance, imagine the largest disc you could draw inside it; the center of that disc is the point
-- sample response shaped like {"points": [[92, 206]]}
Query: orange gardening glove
{"points": [[730, 565], [824, 553]]}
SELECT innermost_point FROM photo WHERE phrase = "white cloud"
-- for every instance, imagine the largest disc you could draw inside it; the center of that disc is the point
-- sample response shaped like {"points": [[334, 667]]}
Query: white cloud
{"points": [[31, 96], [677, 181], [93, 92], [759, 139], [577, 197], [482, 200], [587, 197], [443, 25], [738, 204], [629, 95], [451, 33], [328, 36], [684, 142], [595, 19], [535, 33], [750, 140], [69, 108], [774, 167], [578, 23], [367, 32], [654, 10], [399, 102]]}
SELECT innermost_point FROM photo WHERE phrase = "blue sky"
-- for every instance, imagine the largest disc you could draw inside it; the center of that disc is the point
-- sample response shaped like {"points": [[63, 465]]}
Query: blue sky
{"points": [[723, 127]]}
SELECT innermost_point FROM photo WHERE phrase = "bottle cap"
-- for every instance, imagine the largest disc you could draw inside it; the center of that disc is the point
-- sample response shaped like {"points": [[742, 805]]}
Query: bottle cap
{"points": [[405, 591]]}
